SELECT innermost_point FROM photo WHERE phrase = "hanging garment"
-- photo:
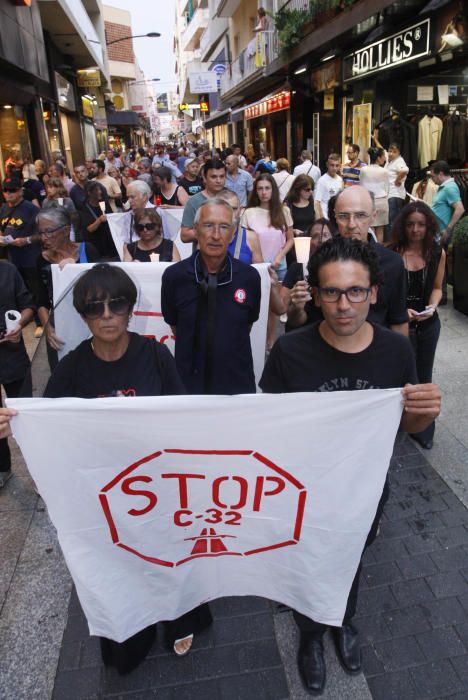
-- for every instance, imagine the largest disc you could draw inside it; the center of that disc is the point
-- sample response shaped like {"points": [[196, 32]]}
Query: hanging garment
{"points": [[429, 136]]}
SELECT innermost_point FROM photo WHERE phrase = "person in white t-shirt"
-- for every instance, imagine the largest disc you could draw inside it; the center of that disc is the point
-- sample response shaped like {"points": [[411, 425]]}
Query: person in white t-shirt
{"points": [[327, 186], [283, 177], [307, 167], [398, 170]]}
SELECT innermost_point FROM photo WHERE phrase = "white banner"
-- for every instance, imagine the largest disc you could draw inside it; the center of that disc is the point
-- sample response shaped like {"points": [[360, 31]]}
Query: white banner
{"points": [[203, 82], [147, 318], [163, 503]]}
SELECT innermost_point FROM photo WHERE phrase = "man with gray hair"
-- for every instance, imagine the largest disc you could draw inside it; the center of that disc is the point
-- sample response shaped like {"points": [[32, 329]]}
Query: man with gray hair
{"points": [[211, 300]]}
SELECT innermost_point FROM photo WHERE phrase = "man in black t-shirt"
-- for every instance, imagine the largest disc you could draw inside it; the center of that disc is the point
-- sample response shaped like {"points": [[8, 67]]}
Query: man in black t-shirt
{"points": [[353, 211], [15, 375], [341, 353], [211, 301]]}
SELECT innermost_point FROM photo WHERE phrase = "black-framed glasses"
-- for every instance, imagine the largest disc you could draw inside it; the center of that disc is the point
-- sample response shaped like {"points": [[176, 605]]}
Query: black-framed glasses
{"points": [[49, 231], [355, 295], [95, 309], [307, 189], [149, 227]]}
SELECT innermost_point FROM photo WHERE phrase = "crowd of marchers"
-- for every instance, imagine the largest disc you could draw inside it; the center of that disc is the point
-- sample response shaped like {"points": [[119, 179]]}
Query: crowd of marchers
{"points": [[363, 310]]}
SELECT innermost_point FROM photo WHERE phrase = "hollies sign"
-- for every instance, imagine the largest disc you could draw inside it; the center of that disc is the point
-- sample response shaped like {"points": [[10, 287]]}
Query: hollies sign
{"points": [[407, 45]]}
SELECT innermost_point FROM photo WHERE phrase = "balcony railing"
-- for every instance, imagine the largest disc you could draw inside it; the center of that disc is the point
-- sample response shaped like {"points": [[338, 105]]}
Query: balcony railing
{"points": [[261, 50], [194, 28]]}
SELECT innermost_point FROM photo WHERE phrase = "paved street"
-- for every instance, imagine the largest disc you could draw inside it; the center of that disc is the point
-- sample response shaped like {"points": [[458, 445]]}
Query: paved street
{"points": [[412, 613]]}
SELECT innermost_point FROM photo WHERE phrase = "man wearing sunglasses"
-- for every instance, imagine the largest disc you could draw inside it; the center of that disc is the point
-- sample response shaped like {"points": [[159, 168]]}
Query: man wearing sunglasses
{"points": [[346, 352]]}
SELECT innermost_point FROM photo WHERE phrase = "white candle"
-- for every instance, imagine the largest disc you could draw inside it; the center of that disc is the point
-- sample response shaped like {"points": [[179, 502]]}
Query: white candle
{"points": [[302, 246], [154, 257], [103, 207]]}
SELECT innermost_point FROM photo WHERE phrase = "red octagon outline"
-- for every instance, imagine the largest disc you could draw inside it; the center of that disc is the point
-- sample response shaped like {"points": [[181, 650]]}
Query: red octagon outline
{"points": [[256, 455]]}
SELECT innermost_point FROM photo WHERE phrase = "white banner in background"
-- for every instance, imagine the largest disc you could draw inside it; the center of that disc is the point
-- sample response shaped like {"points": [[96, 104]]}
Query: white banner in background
{"points": [[120, 225], [164, 503], [147, 318]]}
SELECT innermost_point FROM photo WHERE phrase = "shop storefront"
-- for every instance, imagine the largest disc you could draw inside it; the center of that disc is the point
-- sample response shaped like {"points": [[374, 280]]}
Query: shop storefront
{"points": [[267, 124], [411, 86], [69, 121], [24, 79]]}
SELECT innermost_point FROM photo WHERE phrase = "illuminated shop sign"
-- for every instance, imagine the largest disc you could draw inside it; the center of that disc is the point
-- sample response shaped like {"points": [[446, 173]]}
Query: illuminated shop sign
{"points": [[273, 104], [407, 45]]}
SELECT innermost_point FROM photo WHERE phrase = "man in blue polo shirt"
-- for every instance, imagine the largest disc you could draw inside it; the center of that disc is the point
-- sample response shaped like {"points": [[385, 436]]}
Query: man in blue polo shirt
{"points": [[211, 301], [237, 180], [447, 204]]}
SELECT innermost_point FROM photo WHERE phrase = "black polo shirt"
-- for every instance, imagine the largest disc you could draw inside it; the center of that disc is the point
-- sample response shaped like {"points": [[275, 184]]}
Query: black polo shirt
{"points": [[237, 307]]}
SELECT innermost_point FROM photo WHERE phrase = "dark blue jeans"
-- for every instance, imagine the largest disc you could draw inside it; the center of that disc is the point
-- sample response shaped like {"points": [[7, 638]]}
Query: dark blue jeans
{"points": [[424, 336], [395, 205]]}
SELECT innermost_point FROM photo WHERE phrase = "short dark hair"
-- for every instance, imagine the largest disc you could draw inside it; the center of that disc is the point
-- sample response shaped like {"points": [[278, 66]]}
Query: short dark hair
{"points": [[103, 282], [440, 166], [213, 164], [100, 164], [93, 185], [355, 147], [164, 173], [342, 249]]}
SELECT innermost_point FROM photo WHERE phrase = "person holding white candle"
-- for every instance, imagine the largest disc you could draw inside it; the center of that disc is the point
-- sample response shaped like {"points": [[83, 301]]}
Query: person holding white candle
{"points": [[94, 226], [147, 225], [295, 290]]}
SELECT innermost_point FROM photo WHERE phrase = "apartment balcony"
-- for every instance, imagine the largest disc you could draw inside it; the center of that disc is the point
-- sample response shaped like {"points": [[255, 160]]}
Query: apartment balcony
{"points": [[251, 64], [226, 8], [74, 33], [210, 38], [194, 29]]}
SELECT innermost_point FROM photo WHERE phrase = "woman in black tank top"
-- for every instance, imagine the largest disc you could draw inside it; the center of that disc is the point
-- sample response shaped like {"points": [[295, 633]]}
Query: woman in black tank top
{"points": [[147, 225]]}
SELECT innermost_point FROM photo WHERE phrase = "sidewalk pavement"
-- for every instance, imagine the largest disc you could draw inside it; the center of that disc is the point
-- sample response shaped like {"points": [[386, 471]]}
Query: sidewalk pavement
{"points": [[412, 612]]}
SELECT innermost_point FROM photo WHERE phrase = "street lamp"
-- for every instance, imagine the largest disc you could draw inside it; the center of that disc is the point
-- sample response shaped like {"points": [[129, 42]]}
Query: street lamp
{"points": [[151, 35]]}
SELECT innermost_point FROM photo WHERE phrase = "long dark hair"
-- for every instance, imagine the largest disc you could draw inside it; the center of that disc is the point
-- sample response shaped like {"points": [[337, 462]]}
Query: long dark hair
{"points": [[299, 184], [399, 240], [277, 219]]}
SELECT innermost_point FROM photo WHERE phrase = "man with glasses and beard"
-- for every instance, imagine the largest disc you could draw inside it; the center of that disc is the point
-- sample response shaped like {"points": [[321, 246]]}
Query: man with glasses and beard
{"points": [[346, 352]]}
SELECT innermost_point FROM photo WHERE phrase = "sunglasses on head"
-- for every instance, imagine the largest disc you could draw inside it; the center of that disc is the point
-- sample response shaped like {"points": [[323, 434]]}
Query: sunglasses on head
{"points": [[149, 227], [95, 309]]}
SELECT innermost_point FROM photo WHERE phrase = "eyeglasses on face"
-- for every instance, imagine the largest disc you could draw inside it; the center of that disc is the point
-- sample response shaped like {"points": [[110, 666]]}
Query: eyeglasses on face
{"points": [[307, 189], [49, 231], [355, 295], [224, 229], [151, 226], [120, 306], [345, 216]]}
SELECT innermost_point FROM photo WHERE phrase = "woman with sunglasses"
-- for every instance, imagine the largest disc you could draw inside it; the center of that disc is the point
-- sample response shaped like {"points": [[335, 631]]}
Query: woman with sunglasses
{"points": [[117, 362], [147, 225], [300, 201], [53, 226]]}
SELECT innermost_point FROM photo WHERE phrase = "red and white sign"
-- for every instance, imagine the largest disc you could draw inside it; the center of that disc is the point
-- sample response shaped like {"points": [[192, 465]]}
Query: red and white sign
{"points": [[161, 505], [240, 296], [275, 103]]}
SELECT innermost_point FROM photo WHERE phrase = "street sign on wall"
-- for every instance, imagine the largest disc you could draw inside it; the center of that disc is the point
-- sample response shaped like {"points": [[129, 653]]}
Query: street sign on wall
{"points": [[203, 82]]}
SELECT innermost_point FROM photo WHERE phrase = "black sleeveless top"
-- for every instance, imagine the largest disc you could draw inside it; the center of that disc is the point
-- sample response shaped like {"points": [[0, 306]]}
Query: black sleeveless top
{"points": [[421, 283], [164, 250]]}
